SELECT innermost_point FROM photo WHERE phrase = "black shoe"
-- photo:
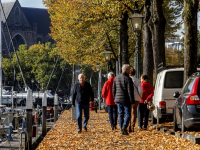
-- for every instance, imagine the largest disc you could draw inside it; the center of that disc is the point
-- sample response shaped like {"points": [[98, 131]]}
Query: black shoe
{"points": [[85, 129], [129, 129], [113, 128], [79, 131], [124, 131]]}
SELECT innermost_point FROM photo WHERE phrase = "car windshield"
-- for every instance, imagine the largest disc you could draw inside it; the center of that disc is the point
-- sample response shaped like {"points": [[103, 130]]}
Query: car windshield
{"points": [[174, 79]]}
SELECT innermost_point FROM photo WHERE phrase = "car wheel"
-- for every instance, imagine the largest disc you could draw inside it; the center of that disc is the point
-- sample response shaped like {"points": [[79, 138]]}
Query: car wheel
{"points": [[174, 118], [153, 119], [182, 125]]}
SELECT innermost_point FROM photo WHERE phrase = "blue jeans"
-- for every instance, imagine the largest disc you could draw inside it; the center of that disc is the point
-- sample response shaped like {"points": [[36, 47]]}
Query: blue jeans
{"points": [[123, 107], [79, 108], [112, 111], [144, 113]]}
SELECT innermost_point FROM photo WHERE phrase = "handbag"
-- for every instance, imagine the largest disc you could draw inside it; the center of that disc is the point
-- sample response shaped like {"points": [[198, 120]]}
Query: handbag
{"points": [[150, 106]]}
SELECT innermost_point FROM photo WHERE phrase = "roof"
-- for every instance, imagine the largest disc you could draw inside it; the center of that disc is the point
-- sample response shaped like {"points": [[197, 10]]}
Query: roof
{"points": [[7, 7], [174, 69], [39, 16]]}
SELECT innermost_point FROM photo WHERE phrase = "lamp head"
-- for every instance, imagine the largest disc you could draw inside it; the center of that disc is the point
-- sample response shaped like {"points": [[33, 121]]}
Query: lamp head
{"points": [[107, 55], [136, 19], [97, 68]]}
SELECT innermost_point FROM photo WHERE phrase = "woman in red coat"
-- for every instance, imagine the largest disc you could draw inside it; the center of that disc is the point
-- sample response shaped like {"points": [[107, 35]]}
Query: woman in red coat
{"points": [[108, 96], [147, 95]]}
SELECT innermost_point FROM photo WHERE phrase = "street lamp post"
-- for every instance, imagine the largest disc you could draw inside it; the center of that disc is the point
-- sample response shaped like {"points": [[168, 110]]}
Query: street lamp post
{"points": [[32, 81], [38, 88], [107, 56], [136, 23], [98, 69]]}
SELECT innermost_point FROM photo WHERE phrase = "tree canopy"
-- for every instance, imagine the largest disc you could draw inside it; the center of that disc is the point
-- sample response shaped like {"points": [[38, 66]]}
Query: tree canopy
{"points": [[80, 27], [37, 62]]}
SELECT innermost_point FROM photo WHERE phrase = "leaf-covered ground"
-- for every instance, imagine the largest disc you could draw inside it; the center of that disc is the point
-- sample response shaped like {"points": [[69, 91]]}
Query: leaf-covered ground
{"points": [[100, 136]]}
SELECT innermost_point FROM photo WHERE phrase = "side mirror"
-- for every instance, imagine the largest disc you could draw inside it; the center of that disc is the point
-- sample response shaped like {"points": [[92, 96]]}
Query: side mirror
{"points": [[176, 94]]}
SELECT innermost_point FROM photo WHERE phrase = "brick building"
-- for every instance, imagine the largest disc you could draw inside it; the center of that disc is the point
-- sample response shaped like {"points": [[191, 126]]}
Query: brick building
{"points": [[27, 26]]}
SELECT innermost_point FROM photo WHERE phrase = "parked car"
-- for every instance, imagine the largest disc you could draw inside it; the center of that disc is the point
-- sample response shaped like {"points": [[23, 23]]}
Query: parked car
{"points": [[168, 81], [187, 105]]}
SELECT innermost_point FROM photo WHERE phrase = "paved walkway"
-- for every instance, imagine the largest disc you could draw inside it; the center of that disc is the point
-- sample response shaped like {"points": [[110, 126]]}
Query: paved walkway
{"points": [[99, 136]]}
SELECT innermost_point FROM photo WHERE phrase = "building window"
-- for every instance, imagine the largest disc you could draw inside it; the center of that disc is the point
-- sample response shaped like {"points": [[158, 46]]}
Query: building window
{"points": [[51, 41], [39, 40], [17, 12], [17, 41]]}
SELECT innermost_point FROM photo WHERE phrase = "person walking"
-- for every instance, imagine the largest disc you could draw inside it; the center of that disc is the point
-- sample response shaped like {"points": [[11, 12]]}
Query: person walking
{"points": [[107, 94], [147, 95], [82, 93], [124, 97], [137, 95]]}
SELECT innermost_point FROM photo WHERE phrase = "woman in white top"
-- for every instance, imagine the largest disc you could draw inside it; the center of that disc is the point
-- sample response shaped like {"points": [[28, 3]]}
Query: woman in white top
{"points": [[138, 95]]}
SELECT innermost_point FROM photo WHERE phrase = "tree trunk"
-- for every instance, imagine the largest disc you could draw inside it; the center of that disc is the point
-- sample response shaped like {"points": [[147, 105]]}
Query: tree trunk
{"points": [[147, 44], [120, 48], [190, 42], [124, 38], [157, 26]]}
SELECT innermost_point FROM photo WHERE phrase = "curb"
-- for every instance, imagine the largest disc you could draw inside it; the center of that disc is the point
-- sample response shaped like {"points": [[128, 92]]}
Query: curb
{"points": [[39, 140], [192, 138]]}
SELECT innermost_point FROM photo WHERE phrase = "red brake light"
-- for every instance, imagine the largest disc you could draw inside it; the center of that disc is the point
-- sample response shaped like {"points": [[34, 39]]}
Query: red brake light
{"points": [[162, 104], [193, 98]]}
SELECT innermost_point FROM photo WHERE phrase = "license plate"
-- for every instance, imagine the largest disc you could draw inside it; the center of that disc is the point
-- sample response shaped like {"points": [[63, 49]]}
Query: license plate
{"points": [[198, 106], [170, 107]]}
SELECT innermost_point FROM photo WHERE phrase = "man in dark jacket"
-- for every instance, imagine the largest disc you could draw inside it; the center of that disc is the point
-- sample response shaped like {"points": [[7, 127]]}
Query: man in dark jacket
{"points": [[124, 97], [82, 93]]}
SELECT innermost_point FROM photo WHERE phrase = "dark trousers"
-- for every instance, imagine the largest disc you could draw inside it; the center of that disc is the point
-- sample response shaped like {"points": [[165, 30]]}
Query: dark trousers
{"points": [[123, 107], [112, 111], [144, 113], [79, 108]]}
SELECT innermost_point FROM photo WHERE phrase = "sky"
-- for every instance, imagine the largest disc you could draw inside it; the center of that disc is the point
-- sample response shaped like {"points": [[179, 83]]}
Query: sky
{"points": [[29, 3], [182, 27]]}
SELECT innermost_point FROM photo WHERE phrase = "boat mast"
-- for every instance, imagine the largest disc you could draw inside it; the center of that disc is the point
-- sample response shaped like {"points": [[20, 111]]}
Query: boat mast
{"points": [[0, 63]]}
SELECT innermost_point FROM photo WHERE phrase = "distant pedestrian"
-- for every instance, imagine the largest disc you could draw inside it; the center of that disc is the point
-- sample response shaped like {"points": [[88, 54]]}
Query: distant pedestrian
{"points": [[124, 97], [147, 95], [107, 94], [82, 93], [138, 95]]}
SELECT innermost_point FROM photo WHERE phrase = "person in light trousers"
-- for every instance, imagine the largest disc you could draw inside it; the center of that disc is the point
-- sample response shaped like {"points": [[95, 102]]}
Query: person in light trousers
{"points": [[138, 95]]}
